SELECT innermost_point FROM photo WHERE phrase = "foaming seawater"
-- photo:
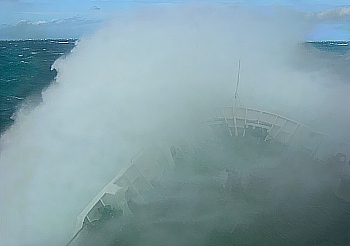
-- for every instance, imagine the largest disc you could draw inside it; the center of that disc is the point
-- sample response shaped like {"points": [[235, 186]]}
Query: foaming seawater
{"points": [[149, 76]]}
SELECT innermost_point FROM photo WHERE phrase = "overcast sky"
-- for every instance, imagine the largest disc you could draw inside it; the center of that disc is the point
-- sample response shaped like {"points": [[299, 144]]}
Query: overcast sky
{"points": [[24, 19]]}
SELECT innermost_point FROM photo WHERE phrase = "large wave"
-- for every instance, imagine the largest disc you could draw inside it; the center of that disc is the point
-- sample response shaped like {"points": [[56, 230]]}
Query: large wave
{"points": [[148, 75]]}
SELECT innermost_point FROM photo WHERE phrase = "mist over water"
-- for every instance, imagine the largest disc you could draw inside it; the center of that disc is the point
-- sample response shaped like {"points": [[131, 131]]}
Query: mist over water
{"points": [[146, 76]]}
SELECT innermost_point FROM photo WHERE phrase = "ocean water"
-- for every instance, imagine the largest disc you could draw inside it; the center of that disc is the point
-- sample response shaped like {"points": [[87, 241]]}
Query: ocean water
{"points": [[25, 70], [120, 90]]}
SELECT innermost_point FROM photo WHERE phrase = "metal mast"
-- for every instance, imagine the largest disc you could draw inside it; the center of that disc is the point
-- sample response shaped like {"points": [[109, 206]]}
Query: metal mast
{"points": [[238, 76]]}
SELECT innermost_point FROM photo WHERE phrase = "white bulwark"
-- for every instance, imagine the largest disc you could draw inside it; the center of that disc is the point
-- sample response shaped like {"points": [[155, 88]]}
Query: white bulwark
{"points": [[147, 167], [238, 120]]}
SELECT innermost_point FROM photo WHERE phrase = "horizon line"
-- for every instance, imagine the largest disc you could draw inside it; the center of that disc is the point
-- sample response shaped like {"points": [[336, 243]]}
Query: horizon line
{"points": [[71, 38]]}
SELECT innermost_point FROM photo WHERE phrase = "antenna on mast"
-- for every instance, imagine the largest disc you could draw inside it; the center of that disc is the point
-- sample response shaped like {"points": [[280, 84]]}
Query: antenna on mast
{"points": [[238, 76]]}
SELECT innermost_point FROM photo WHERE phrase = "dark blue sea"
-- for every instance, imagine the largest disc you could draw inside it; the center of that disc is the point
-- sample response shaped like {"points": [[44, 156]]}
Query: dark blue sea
{"points": [[25, 70]]}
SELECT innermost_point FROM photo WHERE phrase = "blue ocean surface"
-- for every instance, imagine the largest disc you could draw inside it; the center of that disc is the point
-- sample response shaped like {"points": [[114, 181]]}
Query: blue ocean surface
{"points": [[25, 68]]}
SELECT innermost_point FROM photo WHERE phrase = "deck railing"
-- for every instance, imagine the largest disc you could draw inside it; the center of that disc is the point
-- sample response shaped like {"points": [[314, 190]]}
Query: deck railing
{"points": [[278, 128]]}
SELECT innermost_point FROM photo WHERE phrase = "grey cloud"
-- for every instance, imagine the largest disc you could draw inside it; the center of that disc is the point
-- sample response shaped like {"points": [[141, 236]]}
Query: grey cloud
{"points": [[56, 28], [95, 8], [342, 13], [71, 20]]}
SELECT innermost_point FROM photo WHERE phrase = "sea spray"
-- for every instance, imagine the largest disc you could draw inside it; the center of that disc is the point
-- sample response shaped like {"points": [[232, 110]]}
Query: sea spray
{"points": [[154, 74]]}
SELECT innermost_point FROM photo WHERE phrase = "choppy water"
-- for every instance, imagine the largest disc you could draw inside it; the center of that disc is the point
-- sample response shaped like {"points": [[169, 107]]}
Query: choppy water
{"points": [[25, 70]]}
